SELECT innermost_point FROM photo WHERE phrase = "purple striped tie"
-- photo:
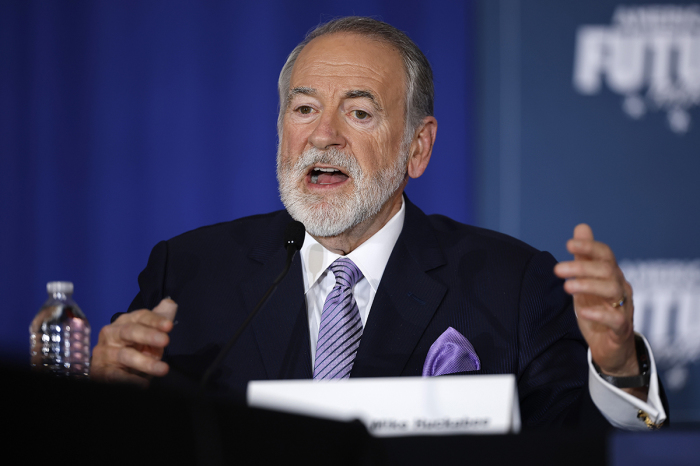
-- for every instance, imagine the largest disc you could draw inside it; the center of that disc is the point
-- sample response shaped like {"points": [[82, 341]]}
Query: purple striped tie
{"points": [[341, 326]]}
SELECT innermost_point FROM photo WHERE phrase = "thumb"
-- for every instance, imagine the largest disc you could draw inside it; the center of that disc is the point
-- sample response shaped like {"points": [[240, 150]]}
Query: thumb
{"points": [[582, 232], [166, 308]]}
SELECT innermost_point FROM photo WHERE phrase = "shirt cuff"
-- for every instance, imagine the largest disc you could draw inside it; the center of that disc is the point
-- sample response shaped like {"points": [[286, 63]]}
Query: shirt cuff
{"points": [[619, 407]]}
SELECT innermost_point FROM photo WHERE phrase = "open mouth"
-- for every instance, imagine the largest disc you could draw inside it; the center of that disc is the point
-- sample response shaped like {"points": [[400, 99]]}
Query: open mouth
{"points": [[326, 176]]}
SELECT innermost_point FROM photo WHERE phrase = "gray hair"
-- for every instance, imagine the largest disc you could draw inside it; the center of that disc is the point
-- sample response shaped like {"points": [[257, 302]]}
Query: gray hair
{"points": [[419, 76]]}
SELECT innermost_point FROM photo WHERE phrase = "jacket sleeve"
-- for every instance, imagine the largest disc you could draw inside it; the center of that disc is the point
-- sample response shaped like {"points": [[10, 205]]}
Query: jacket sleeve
{"points": [[552, 368], [152, 279]]}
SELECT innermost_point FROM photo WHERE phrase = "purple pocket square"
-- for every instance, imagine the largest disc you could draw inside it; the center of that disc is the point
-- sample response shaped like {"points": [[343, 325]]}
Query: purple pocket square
{"points": [[450, 353]]}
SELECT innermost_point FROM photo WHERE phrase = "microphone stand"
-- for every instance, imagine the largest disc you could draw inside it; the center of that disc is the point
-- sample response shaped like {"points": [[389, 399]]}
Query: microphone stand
{"points": [[291, 250], [207, 436]]}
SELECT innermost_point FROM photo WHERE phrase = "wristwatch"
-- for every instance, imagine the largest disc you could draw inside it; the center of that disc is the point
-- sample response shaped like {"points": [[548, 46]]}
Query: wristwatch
{"points": [[635, 381]]}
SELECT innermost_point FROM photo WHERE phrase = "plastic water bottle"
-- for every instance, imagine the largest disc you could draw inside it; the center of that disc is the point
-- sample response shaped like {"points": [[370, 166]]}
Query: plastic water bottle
{"points": [[59, 335]]}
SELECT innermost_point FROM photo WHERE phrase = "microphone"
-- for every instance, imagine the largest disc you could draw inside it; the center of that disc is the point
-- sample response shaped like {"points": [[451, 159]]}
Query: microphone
{"points": [[293, 240]]}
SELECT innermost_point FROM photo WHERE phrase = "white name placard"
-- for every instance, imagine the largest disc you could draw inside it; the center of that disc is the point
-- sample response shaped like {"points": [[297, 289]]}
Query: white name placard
{"points": [[476, 404]]}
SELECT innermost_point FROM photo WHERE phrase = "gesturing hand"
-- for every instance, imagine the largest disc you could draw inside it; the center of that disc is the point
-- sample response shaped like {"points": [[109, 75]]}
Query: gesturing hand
{"points": [[603, 302], [130, 349]]}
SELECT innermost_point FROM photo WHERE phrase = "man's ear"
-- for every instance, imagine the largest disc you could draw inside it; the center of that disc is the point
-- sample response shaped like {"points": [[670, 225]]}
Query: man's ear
{"points": [[422, 147]]}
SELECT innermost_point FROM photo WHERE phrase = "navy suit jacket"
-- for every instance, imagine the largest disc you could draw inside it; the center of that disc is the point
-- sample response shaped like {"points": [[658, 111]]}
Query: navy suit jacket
{"points": [[498, 292]]}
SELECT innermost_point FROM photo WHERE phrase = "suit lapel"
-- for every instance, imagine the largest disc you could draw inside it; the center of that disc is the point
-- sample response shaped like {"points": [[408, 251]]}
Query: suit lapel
{"points": [[281, 327], [404, 305], [405, 302]]}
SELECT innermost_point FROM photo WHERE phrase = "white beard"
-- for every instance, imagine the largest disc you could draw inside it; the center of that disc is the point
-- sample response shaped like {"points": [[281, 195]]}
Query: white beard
{"points": [[332, 214]]}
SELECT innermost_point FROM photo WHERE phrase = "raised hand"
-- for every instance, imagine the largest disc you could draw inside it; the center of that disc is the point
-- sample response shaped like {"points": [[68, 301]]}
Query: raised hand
{"points": [[603, 303], [130, 349]]}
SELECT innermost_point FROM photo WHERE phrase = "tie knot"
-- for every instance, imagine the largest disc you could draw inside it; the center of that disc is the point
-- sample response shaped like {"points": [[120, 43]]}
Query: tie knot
{"points": [[346, 272]]}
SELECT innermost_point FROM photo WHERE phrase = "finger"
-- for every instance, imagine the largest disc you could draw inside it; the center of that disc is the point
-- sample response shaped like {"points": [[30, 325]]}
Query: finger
{"points": [[135, 333], [582, 234], [155, 353], [104, 369], [166, 308], [606, 289], [584, 249], [585, 269], [145, 317], [583, 231], [130, 358], [130, 333]]}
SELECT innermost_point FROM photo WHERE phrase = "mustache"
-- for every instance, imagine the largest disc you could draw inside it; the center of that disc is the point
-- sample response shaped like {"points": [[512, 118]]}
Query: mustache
{"points": [[334, 157]]}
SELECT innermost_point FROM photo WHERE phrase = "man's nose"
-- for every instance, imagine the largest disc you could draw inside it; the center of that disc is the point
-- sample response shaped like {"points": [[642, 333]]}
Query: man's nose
{"points": [[328, 132]]}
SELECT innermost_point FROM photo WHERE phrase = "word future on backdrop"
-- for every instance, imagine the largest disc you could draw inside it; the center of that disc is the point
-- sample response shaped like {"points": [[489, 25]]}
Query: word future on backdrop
{"points": [[650, 55]]}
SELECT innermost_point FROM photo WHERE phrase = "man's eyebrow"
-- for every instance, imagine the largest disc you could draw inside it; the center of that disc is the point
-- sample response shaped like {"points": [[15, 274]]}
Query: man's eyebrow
{"points": [[353, 94], [300, 90], [360, 94]]}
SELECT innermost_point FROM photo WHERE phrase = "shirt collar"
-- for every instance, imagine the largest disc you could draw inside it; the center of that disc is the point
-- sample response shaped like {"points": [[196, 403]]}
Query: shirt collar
{"points": [[370, 257]]}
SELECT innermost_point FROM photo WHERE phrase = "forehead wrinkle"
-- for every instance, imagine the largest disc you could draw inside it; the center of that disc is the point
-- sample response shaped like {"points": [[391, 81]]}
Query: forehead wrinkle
{"points": [[353, 65], [341, 68]]}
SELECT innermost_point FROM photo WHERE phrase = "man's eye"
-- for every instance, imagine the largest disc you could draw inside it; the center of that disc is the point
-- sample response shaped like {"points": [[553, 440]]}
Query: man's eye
{"points": [[361, 114], [304, 110]]}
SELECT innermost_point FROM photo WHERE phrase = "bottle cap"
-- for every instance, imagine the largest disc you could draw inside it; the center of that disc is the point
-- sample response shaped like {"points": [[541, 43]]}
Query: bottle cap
{"points": [[59, 287]]}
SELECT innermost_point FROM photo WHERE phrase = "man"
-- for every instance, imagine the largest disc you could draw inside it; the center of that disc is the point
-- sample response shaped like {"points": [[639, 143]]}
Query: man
{"points": [[355, 123]]}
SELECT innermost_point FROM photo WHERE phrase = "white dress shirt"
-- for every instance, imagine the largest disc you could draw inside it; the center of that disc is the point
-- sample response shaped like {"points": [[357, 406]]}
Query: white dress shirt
{"points": [[371, 257]]}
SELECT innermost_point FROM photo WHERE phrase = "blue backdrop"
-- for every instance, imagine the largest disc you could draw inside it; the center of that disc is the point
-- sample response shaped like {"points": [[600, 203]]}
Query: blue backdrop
{"points": [[589, 113], [124, 123]]}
